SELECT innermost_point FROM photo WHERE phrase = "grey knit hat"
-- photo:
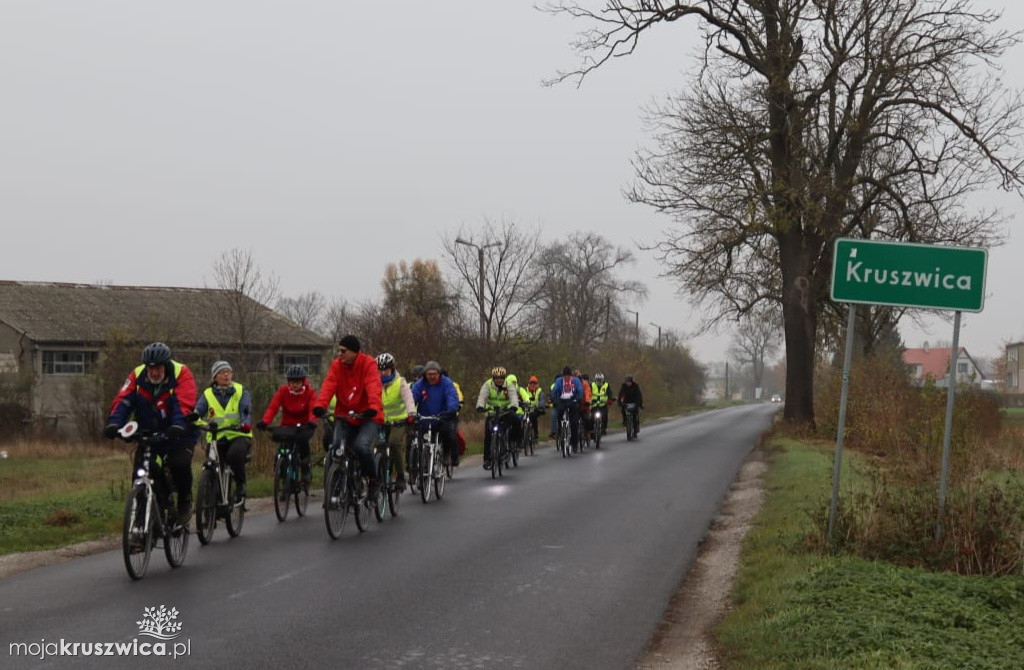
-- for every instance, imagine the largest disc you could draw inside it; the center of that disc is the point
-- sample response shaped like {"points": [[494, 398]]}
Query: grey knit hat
{"points": [[218, 366], [432, 365]]}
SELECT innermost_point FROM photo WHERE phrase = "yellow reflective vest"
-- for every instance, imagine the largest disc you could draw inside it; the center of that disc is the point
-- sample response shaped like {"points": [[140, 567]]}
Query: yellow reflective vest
{"points": [[227, 417]]}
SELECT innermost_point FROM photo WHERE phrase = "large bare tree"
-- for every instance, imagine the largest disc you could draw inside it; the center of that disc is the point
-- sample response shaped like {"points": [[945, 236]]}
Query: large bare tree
{"points": [[807, 121], [248, 292], [581, 293], [495, 263], [755, 340], [308, 310]]}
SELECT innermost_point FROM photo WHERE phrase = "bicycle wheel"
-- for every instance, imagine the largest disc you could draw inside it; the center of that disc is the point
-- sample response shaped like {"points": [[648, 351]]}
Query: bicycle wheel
{"points": [[597, 434], [426, 468], [357, 498], [394, 495], [440, 477], [137, 533], [206, 507], [630, 430], [301, 491], [335, 500], [500, 454], [380, 503], [282, 490], [531, 441], [236, 515], [514, 448], [175, 543]]}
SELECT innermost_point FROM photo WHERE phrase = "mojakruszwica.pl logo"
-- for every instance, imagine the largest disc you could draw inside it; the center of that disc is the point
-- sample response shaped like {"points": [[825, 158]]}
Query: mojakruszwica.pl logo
{"points": [[159, 630]]}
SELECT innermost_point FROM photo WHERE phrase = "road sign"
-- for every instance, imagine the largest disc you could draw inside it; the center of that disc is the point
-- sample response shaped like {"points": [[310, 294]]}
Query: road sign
{"points": [[909, 275]]}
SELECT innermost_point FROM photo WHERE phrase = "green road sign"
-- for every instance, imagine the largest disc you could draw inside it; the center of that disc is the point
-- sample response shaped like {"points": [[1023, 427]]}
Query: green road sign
{"points": [[909, 275]]}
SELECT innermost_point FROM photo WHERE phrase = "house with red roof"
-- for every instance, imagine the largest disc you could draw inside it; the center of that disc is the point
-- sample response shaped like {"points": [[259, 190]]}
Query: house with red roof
{"points": [[932, 364]]}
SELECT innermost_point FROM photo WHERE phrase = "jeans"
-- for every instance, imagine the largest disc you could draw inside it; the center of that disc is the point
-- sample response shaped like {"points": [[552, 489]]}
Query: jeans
{"points": [[574, 424], [358, 439]]}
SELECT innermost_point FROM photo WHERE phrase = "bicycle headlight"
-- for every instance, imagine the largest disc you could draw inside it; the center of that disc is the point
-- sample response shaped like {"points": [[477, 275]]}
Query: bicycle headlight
{"points": [[141, 472]]}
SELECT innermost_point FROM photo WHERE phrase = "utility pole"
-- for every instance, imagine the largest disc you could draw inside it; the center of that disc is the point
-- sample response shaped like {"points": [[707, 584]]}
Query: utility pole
{"points": [[637, 323], [659, 334], [480, 287]]}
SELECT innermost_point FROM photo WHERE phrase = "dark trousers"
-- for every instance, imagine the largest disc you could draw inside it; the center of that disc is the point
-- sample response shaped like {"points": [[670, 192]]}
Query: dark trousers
{"points": [[446, 436], [234, 453], [511, 421], [178, 461]]}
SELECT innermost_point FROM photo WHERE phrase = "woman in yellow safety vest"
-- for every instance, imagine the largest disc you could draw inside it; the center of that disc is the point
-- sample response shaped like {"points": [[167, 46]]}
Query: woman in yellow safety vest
{"points": [[230, 405]]}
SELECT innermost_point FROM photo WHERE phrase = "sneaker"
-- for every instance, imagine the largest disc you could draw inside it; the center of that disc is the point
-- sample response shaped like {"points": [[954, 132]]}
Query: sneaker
{"points": [[240, 492], [487, 465], [455, 462]]}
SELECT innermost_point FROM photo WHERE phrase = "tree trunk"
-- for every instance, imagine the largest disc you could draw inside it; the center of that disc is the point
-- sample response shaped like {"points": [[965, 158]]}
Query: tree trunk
{"points": [[800, 323]]}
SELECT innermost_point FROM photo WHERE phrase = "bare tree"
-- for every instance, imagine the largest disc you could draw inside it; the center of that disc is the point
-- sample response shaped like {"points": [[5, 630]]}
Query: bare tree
{"points": [[248, 292], [756, 338], [309, 310], [811, 120], [580, 292], [336, 320], [502, 257]]}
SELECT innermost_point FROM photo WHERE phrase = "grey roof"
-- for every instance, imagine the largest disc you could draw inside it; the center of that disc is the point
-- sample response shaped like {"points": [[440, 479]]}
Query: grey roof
{"points": [[90, 313]]}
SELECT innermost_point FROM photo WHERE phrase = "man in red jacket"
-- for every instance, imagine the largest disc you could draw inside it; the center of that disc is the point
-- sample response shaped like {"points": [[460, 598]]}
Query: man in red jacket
{"points": [[355, 381], [295, 400]]}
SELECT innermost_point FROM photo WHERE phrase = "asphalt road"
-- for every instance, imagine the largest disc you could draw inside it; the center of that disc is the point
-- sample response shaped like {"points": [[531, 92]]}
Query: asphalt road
{"points": [[560, 564]]}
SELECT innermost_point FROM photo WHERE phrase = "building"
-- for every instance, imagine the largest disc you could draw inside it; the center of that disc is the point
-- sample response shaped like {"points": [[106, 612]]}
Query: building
{"points": [[1014, 357], [66, 346], [932, 364]]}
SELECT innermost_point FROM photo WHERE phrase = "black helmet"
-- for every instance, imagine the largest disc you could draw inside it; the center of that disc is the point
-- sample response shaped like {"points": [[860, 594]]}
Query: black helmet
{"points": [[417, 371], [156, 353], [295, 372]]}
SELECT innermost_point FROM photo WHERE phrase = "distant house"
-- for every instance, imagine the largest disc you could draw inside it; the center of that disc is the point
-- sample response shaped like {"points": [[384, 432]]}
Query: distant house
{"points": [[1014, 357], [68, 342], [932, 364]]}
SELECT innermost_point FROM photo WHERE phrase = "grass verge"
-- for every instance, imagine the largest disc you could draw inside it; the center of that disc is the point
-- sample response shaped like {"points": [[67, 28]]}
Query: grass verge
{"points": [[800, 610]]}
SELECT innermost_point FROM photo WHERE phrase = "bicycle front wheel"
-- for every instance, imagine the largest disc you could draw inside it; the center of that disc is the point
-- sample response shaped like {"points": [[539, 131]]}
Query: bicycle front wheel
{"points": [[380, 503], [236, 515], [282, 489], [335, 501], [206, 507], [440, 477], [301, 495], [426, 468], [137, 533], [175, 544], [360, 504]]}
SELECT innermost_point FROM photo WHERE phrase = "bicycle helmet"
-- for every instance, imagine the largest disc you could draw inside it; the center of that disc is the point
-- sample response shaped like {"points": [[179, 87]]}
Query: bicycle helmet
{"points": [[512, 379], [156, 353], [498, 371], [629, 378], [417, 371], [295, 372], [385, 361], [599, 377]]}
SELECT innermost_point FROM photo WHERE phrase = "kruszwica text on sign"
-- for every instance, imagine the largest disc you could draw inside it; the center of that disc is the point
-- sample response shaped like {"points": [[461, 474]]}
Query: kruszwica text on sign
{"points": [[909, 275]]}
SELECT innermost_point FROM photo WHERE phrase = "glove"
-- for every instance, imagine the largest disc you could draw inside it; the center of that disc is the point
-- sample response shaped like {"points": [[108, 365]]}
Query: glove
{"points": [[175, 431], [481, 409], [192, 416], [446, 416], [245, 428], [261, 425], [368, 414], [110, 431], [410, 419], [319, 412]]}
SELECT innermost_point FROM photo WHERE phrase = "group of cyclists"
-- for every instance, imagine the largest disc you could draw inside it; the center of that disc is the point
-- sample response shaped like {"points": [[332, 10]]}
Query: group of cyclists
{"points": [[361, 396]]}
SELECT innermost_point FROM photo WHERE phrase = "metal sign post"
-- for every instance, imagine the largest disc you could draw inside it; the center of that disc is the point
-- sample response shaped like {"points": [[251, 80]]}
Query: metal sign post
{"points": [[838, 465], [954, 356]]}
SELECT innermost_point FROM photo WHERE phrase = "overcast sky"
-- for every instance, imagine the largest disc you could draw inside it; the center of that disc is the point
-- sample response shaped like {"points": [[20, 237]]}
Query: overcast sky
{"points": [[140, 140]]}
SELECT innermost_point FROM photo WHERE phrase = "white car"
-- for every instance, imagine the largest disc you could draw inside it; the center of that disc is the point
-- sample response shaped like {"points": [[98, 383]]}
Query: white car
{"points": [[776, 397]]}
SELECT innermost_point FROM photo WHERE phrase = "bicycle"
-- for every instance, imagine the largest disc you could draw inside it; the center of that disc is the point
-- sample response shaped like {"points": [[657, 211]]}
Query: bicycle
{"points": [[426, 462], [344, 489], [142, 523], [217, 493], [583, 441], [387, 473], [529, 439], [595, 418], [565, 434], [501, 447], [289, 483], [631, 411]]}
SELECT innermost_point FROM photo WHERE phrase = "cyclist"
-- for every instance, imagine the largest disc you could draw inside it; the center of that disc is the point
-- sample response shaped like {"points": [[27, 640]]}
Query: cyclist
{"points": [[435, 395], [415, 374], [599, 399], [396, 397], [536, 401], [566, 396], [462, 401], [353, 380], [230, 404], [630, 393], [158, 395], [494, 395], [295, 400], [585, 415]]}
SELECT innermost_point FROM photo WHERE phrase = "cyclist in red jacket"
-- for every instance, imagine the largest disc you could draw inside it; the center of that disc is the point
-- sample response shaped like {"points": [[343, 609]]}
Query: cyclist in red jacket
{"points": [[295, 400]]}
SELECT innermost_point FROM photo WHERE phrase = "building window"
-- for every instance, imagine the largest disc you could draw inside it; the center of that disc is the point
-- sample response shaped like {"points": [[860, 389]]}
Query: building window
{"points": [[69, 362], [309, 361], [961, 368]]}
